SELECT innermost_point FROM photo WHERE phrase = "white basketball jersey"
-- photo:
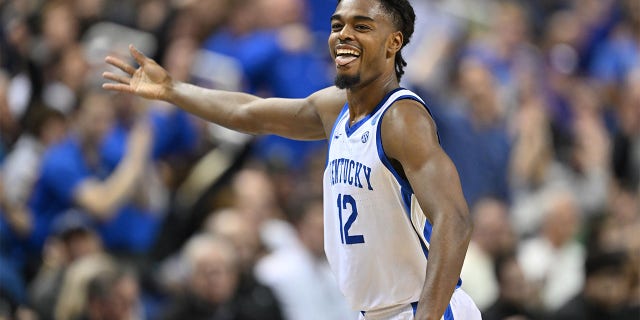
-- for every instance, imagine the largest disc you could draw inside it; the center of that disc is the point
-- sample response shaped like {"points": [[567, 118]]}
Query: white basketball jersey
{"points": [[376, 236]]}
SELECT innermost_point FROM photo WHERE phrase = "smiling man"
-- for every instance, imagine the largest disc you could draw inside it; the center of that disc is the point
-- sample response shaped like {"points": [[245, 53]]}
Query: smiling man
{"points": [[392, 197]]}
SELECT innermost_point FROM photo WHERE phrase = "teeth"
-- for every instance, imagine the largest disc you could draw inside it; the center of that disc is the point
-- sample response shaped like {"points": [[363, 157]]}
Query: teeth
{"points": [[340, 52]]}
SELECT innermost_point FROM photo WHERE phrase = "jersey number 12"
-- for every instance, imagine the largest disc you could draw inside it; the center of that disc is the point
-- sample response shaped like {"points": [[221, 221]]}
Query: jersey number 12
{"points": [[348, 202]]}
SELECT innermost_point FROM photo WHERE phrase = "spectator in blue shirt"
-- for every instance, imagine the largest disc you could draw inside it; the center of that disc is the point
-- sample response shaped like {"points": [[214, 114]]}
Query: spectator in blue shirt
{"points": [[474, 134], [276, 54], [74, 175]]}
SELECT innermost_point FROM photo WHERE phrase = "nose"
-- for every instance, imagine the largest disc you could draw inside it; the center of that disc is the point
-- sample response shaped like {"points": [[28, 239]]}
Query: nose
{"points": [[346, 33]]}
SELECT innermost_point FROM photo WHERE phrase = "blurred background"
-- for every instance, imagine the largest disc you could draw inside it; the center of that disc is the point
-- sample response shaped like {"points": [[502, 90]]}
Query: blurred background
{"points": [[113, 207]]}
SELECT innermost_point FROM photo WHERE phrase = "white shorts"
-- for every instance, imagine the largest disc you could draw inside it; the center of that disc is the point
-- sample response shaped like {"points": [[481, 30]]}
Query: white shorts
{"points": [[461, 307]]}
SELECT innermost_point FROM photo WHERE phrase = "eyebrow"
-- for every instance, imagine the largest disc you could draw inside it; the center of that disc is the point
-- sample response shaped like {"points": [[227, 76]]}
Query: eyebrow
{"points": [[339, 17]]}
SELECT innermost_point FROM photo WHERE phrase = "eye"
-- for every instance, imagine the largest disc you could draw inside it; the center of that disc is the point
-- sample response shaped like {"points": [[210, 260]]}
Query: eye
{"points": [[336, 26], [362, 27]]}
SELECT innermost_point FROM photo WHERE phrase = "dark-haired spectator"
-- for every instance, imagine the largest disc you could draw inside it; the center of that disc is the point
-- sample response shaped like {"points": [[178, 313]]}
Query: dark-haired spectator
{"points": [[514, 299], [85, 274], [606, 291], [68, 76], [113, 296], [625, 162], [44, 128], [492, 237], [72, 238]]}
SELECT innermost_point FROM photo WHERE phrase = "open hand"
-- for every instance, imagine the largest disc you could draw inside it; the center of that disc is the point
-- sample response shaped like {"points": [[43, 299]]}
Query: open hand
{"points": [[149, 81]]}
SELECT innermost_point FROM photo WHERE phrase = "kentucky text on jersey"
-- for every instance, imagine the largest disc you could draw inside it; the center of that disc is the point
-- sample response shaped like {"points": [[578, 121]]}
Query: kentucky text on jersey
{"points": [[350, 172]]}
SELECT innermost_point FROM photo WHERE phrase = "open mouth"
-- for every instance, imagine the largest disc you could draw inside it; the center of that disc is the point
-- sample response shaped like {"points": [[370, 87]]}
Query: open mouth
{"points": [[346, 56]]}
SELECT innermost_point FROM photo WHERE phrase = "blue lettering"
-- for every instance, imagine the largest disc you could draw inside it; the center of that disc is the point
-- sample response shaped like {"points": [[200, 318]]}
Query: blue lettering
{"points": [[348, 171], [357, 174], [335, 171], [367, 175], [351, 165], [345, 167]]}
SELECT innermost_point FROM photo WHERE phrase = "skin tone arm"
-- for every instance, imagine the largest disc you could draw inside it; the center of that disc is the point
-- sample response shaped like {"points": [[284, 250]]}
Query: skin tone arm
{"points": [[436, 184], [16, 214], [101, 198], [301, 119]]}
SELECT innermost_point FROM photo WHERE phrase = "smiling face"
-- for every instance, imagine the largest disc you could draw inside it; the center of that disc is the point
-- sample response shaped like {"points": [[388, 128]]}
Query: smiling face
{"points": [[363, 43]]}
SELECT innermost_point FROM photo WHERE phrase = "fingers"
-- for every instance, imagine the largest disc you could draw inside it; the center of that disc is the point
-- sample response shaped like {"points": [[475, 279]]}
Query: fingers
{"points": [[122, 86], [117, 87], [120, 65], [115, 77], [139, 56]]}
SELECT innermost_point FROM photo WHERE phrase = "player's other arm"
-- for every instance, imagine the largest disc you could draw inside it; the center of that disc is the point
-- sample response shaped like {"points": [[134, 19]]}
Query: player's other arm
{"points": [[409, 137], [301, 119]]}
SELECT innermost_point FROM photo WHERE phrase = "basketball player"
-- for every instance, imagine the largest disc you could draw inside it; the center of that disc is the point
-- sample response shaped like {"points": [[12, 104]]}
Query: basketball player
{"points": [[392, 198]]}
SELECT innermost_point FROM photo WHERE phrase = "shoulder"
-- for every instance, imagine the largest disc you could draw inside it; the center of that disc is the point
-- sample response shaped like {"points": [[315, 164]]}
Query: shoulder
{"points": [[328, 98], [408, 132], [408, 107], [62, 157], [408, 117], [328, 103], [63, 150]]}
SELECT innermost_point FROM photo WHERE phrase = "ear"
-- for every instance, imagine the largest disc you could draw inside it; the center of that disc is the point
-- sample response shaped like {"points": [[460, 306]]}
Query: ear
{"points": [[394, 43]]}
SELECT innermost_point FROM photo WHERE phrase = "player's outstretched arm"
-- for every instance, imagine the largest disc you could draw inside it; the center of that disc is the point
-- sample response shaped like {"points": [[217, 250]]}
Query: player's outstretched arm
{"points": [[293, 118], [436, 184]]}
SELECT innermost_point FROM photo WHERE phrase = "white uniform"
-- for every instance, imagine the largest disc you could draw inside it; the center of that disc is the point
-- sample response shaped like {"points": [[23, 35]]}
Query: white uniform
{"points": [[376, 236]]}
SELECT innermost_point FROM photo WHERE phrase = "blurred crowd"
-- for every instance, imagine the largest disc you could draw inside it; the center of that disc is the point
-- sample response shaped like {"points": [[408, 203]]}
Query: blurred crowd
{"points": [[114, 207]]}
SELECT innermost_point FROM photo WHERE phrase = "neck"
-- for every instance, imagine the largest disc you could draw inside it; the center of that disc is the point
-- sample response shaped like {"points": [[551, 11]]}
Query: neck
{"points": [[364, 98]]}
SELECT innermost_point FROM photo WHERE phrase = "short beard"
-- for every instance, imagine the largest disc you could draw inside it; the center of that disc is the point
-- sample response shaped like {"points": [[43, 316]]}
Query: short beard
{"points": [[347, 82]]}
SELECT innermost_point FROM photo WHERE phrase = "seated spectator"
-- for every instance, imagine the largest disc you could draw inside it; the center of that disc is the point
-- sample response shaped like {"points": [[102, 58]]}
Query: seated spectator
{"points": [[492, 237], [72, 301], [256, 200], [553, 260], [606, 291], [113, 296], [514, 299], [229, 225], [244, 236], [72, 238], [213, 289]]}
